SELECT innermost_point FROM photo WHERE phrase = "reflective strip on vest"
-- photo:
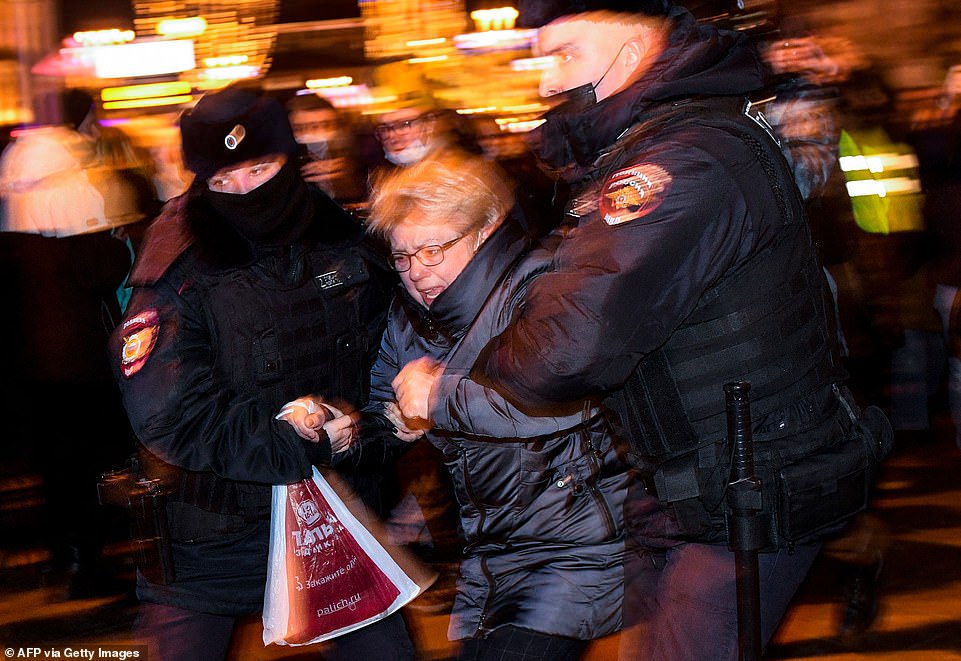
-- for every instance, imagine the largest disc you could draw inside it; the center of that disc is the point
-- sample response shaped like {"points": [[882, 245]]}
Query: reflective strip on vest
{"points": [[882, 181]]}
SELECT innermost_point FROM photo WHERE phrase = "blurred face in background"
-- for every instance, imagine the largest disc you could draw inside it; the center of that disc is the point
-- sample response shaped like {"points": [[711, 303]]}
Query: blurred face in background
{"points": [[406, 134], [318, 130]]}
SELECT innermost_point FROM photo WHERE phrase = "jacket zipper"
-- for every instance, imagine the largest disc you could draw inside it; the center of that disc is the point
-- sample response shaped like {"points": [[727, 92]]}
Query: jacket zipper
{"points": [[481, 514], [481, 517], [597, 495], [490, 597]]}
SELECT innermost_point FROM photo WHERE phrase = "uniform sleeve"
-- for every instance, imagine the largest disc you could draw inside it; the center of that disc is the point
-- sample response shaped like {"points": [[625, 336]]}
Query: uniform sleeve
{"points": [[663, 232], [462, 405], [181, 409]]}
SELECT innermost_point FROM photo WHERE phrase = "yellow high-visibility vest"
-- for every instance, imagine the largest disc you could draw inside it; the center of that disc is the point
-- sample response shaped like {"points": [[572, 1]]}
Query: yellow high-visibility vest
{"points": [[883, 181]]}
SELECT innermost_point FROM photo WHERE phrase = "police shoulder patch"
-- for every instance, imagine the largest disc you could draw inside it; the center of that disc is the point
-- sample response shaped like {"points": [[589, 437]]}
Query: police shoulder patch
{"points": [[633, 192], [139, 337]]}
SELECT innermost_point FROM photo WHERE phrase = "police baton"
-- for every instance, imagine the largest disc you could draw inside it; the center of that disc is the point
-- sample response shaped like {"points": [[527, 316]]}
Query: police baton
{"points": [[744, 530]]}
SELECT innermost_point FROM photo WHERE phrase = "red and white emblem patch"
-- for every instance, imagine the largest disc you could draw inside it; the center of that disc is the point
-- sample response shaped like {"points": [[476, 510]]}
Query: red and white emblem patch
{"points": [[139, 337], [633, 193]]}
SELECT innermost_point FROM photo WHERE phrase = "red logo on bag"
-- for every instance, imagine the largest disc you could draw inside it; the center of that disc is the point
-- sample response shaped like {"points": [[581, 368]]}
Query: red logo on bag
{"points": [[332, 583], [307, 512]]}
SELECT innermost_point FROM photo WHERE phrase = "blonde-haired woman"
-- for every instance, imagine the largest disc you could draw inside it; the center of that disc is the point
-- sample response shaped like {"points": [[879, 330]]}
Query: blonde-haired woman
{"points": [[540, 497]]}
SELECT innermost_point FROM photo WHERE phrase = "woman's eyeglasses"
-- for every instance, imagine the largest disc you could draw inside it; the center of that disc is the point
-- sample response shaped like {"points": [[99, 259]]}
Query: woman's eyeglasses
{"points": [[431, 255]]}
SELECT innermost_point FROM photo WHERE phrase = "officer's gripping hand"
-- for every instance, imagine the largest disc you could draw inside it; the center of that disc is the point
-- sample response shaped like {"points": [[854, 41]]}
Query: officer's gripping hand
{"points": [[315, 420], [412, 387]]}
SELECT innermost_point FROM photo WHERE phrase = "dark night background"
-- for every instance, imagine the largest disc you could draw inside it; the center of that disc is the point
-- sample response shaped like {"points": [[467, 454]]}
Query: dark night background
{"points": [[98, 14]]}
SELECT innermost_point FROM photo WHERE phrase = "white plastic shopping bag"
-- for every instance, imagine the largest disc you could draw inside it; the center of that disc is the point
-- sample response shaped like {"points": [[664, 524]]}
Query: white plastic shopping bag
{"points": [[328, 575]]}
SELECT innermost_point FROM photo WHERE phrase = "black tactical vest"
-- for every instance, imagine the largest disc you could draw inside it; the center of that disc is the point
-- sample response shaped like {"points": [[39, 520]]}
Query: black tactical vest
{"points": [[769, 323], [304, 322], [309, 334]]}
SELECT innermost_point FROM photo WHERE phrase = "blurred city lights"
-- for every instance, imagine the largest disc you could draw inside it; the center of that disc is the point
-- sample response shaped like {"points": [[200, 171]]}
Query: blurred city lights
{"points": [[148, 103], [103, 37], [518, 125], [229, 73], [146, 58], [491, 39], [225, 61], [148, 90], [424, 60], [182, 27], [532, 63], [501, 18], [420, 43], [337, 81], [878, 162], [349, 96], [526, 108], [883, 187]]}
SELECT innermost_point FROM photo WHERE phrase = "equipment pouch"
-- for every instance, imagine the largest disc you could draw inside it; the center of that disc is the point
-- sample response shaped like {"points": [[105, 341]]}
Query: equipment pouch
{"points": [[150, 532], [818, 495], [145, 501]]}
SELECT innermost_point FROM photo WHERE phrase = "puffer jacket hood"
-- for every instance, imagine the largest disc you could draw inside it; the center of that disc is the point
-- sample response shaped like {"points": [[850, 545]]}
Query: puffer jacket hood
{"points": [[700, 60]]}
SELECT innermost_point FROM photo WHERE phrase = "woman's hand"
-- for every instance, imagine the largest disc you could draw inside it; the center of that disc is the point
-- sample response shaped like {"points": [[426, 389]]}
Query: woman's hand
{"points": [[405, 430], [412, 387], [341, 430]]}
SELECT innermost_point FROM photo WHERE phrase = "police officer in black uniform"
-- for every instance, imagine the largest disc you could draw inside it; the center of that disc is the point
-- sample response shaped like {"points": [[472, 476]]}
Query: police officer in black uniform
{"points": [[250, 289], [685, 264]]}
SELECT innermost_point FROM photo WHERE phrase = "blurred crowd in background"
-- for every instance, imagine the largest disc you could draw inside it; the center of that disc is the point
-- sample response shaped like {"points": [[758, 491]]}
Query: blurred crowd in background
{"points": [[870, 118]]}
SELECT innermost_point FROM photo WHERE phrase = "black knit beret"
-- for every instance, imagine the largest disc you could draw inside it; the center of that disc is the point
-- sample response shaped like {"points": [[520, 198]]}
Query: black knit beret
{"points": [[536, 13], [231, 126]]}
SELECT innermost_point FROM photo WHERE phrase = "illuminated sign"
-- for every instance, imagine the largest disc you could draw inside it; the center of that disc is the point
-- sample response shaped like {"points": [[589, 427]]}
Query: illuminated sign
{"points": [[492, 39], [338, 81], [144, 91], [182, 27], [148, 103], [103, 37], [501, 18], [145, 58], [227, 74]]}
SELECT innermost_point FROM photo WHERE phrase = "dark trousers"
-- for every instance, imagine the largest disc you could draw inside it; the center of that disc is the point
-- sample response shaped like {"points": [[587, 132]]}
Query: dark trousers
{"points": [[516, 644], [681, 602], [175, 634]]}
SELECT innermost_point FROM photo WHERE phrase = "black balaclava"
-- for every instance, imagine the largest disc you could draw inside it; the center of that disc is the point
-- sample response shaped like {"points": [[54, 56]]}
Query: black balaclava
{"points": [[237, 125], [276, 213]]}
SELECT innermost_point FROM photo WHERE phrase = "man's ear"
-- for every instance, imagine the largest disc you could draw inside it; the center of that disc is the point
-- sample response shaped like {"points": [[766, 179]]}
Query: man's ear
{"points": [[634, 52], [643, 48]]}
